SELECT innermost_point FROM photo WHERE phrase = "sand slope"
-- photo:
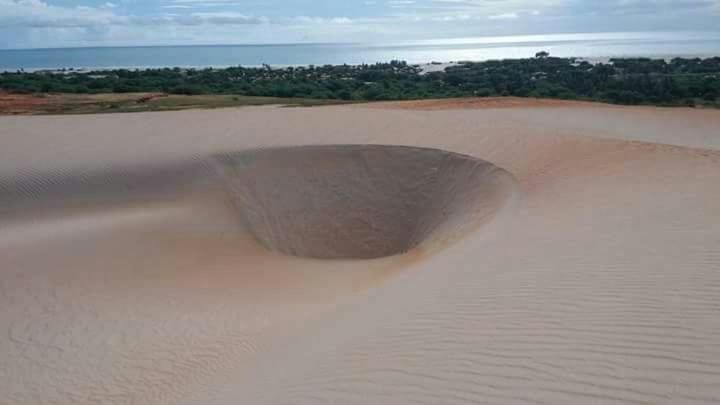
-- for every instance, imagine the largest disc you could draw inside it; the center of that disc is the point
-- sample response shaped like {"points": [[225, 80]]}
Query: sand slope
{"points": [[127, 274]]}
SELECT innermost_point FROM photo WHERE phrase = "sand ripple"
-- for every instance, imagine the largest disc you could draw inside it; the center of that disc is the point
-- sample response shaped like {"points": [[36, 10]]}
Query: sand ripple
{"points": [[167, 258]]}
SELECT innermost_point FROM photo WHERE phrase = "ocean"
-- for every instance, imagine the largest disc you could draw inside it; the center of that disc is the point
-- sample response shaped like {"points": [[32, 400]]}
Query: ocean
{"points": [[596, 46]]}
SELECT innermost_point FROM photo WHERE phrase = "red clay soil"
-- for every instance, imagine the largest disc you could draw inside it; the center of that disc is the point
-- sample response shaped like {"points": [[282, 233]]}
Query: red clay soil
{"points": [[11, 103], [20, 102]]}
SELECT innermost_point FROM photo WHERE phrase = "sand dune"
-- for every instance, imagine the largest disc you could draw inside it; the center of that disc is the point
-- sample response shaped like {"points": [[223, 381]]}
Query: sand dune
{"points": [[519, 254]]}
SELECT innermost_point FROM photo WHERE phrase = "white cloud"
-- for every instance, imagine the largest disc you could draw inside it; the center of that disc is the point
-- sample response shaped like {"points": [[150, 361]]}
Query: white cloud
{"points": [[321, 20], [227, 18], [26, 23], [504, 16], [38, 14], [341, 20], [400, 3], [206, 1]]}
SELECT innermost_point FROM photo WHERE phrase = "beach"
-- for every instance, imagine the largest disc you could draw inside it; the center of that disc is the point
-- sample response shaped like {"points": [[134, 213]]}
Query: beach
{"points": [[489, 251]]}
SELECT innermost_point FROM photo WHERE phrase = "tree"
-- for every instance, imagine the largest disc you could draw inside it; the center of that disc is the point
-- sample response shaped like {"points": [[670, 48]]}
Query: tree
{"points": [[624, 80]]}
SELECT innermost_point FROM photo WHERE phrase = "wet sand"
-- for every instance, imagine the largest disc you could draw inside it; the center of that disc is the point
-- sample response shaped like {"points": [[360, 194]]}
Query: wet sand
{"points": [[570, 256]]}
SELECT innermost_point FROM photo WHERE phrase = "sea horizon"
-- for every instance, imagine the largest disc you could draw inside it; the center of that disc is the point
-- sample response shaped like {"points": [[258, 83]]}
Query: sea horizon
{"points": [[588, 46]]}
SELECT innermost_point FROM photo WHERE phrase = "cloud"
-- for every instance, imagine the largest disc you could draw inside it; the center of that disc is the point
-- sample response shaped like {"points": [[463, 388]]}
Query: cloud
{"points": [[400, 3], [452, 10], [204, 2], [38, 14], [25, 23], [504, 16], [640, 7], [228, 18], [321, 20]]}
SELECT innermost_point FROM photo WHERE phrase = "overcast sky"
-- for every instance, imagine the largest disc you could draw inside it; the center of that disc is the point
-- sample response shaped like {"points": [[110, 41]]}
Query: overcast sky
{"points": [[68, 23]]}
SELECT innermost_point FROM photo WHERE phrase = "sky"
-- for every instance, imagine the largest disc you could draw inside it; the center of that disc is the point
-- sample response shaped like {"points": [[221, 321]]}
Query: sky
{"points": [[77, 23]]}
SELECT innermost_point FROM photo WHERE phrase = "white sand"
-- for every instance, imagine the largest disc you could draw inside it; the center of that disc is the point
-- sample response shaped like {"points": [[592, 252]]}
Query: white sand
{"points": [[127, 277]]}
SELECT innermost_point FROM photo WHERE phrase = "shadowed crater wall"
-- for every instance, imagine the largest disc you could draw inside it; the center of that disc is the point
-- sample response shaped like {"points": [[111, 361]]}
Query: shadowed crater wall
{"points": [[360, 201]]}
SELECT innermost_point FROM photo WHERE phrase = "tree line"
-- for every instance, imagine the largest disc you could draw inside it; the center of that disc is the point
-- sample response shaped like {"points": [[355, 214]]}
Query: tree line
{"points": [[680, 81]]}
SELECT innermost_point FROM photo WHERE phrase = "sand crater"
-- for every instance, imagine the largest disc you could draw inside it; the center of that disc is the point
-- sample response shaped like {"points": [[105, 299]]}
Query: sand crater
{"points": [[360, 201]]}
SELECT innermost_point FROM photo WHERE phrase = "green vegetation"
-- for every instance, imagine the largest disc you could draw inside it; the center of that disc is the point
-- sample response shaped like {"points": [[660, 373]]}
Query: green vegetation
{"points": [[680, 82], [136, 102]]}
